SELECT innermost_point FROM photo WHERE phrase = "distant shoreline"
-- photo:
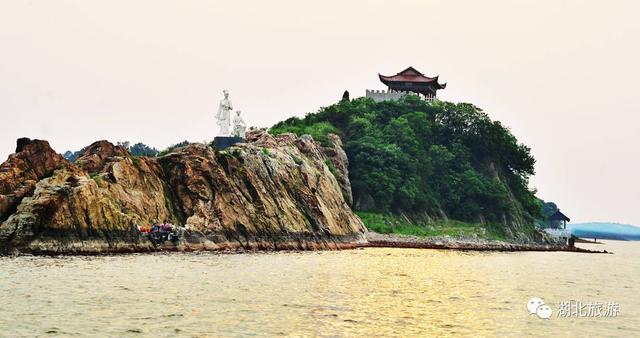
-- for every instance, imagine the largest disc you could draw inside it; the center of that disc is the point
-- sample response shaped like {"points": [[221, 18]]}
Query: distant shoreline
{"points": [[582, 240]]}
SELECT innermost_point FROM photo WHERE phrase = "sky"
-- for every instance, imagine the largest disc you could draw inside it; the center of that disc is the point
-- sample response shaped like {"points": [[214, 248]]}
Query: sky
{"points": [[562, 75]]}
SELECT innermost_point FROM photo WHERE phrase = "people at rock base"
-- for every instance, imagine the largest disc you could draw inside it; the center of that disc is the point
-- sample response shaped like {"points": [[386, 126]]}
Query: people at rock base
{"points": [[154, 227]]}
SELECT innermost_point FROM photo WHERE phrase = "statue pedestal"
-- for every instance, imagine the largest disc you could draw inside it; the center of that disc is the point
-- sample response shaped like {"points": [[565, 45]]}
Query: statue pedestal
{"points": [[224, 142]]}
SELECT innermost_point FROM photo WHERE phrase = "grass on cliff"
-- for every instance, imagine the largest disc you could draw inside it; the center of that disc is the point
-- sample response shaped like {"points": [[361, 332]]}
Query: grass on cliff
{"points": [[96, 178], [331, 167], [299, 127], [136, 162], [266, 152], [395, 224]]}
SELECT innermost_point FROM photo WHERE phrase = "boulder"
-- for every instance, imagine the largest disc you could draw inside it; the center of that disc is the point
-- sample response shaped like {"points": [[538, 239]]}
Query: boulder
{"points": [[33, 161]]}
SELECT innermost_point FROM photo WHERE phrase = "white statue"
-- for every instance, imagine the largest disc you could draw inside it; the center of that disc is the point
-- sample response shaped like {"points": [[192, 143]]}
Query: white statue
{"points": [[239, 128], [224, 114]]}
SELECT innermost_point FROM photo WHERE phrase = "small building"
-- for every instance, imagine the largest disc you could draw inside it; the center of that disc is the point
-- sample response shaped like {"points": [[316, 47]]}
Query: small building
{"points": [[407, 81], [558, 220], [557, 228]]}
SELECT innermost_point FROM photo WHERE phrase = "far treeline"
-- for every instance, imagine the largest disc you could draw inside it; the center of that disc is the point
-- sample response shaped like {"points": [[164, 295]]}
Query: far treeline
{"points": [[138, 149], [436, 158]]}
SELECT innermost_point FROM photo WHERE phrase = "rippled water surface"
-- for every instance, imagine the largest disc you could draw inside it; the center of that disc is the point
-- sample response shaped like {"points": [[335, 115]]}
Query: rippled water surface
{"points": [[367, 292]]}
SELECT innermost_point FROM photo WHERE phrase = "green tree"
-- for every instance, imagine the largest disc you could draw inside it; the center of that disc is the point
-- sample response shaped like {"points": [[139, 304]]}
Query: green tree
{"points": [[413, 155]]}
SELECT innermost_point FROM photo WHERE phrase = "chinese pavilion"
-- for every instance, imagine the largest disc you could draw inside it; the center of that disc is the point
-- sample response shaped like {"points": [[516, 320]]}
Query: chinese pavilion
{"points": [[411, 80], [558, 220]]}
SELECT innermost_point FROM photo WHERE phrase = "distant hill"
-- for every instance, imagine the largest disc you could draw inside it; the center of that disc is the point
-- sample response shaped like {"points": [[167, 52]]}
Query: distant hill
{"points": [[606, 230]]}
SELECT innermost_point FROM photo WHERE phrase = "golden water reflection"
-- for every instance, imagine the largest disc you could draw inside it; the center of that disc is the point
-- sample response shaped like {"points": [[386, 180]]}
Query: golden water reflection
{"points": [[368, 292]]}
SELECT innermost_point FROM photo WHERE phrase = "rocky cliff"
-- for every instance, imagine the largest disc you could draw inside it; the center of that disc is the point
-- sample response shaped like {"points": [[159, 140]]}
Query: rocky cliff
{"points": [[282, 192]]}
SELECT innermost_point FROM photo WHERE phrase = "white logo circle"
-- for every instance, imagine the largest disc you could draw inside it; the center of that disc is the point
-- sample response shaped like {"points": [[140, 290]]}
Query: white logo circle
{"points": [[533, 304], [544, 311]]}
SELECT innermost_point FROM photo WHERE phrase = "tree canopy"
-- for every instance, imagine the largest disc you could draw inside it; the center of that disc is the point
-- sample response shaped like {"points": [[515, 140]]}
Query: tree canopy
{"points": [[416, 156]]}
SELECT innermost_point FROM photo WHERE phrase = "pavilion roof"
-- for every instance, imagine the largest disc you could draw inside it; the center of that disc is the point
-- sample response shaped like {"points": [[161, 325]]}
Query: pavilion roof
{"points": [[411, 75], [559, 216]]}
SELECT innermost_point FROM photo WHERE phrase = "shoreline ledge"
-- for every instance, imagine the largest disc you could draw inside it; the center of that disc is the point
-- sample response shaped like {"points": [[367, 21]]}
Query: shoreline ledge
{"points": [[370, 240], [194, 243], [376, 240]]}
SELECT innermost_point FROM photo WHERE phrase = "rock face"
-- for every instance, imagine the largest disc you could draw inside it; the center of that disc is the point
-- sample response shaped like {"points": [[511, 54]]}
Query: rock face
{"points": [[268, 193], [340, 163], [33, 161]]}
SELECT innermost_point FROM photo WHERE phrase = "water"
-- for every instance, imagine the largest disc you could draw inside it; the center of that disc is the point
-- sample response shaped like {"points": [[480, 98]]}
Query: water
{"points": [[367, 292]]}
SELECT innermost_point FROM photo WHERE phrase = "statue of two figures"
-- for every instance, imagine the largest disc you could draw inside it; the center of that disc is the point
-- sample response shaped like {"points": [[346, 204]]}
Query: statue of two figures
{"points": [[224, 119]]}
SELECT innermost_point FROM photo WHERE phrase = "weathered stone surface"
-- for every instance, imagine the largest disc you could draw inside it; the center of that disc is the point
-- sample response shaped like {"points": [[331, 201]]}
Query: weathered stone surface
{"points": [[252, 189], [268, 193], [95, 157], [340, 162], [33, 161], [377, 240]]}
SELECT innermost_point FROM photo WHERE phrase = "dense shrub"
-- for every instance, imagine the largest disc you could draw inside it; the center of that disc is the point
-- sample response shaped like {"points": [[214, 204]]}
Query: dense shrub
{"points": [[412, 155]]}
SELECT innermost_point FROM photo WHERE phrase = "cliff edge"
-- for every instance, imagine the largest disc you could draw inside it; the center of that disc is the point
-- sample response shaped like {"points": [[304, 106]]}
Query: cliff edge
{"points": [[281, 192]]}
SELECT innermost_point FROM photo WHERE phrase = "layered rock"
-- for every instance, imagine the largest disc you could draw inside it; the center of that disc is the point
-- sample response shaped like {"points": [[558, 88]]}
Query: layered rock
{"points": [[33, 161], [340, 163], [268, 193]]}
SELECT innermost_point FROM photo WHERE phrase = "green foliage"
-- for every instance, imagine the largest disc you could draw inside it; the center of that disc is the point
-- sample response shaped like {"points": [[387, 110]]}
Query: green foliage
{"points": [[173, 147], [296, 159], [136, 162], [394, 224], [387, 224], [138, 149], [212, 145], [317, 130], [331, 167], [96, 178], [412, 156], [547, 209], [266, 152], [141, 149]]}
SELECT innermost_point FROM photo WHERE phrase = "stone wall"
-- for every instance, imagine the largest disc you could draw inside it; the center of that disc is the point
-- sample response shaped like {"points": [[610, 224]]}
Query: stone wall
{"points": [[383, 95]]}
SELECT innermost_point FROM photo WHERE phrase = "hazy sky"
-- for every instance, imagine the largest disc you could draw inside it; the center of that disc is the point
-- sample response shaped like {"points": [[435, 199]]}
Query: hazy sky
{"points": [[563, 75]]}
